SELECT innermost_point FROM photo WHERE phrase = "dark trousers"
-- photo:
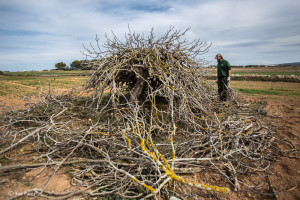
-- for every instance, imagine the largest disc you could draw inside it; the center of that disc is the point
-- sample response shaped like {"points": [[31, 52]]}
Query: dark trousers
{"points": [[222, 90]]}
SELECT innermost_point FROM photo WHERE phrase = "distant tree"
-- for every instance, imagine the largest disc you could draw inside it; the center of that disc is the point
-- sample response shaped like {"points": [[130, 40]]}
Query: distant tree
{"points": [[76, 65], [61, 66], [1, 73]]}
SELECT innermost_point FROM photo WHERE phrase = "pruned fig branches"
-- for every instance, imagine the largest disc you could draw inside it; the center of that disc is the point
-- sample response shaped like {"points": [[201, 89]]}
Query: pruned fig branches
{"points": [[148, 117]]}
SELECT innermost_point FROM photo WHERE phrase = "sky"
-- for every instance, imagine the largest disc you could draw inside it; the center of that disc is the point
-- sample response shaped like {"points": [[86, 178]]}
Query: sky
{"points": [[37, 34]]}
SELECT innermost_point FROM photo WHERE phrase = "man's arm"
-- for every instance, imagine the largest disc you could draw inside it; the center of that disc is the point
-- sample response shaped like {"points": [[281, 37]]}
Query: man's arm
{"points": [[229, 70], [229, 74]]}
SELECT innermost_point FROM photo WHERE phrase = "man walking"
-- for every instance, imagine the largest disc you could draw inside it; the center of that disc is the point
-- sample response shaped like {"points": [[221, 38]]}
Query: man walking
{"points": [[223, 76]]}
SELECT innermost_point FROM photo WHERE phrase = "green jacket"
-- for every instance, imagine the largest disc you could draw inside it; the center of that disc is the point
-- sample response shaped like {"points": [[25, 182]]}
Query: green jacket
{"points": [[223, 68]]}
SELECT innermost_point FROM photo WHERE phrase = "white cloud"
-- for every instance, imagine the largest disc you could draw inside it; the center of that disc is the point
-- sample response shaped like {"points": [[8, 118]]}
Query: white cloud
{"points": [[41, 33]]}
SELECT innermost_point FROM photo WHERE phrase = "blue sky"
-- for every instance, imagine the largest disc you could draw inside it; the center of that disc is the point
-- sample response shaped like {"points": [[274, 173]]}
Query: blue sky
{"points": [[36, 34]]}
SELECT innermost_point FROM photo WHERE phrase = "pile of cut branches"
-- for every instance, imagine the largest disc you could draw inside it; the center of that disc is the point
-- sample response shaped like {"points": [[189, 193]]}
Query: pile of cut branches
{"points": [[148, 118]]}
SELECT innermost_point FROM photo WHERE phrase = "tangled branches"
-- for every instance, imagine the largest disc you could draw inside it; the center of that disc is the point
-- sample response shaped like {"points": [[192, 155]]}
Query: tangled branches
{"points": [[151, 118]]}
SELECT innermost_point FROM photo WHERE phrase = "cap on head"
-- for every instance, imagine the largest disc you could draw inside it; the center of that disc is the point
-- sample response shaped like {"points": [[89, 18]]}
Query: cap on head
{"points": [[219, 55]]}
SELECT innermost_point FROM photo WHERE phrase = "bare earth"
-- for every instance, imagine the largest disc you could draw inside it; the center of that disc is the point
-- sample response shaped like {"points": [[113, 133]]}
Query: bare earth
{"points": [[283, 112]]}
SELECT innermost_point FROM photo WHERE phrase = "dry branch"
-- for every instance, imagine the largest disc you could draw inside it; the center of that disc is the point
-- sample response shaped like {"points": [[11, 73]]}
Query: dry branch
{"points": [[151, 113]]}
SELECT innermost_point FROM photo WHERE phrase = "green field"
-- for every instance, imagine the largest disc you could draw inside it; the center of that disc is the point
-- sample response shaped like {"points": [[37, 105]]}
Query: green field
{"points": [[271, 71], [47, 73], [266, 88], [29, 83], [60, 81], [268, 73]]}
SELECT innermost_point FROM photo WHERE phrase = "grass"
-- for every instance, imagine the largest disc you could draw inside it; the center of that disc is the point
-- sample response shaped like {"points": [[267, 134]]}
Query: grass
{"points": [[267, 88], [6, 89], [271, 71], [47, 73], [266, 92], [268, 73], [27, 85], [61, 82]]}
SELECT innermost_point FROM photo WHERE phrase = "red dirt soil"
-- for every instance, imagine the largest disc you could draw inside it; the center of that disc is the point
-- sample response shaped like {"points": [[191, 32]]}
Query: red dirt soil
{"points": [[283, 112]]}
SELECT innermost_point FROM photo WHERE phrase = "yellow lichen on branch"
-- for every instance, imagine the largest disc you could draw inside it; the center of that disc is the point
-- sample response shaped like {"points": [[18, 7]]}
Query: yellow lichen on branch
{"points": [[157, 156]]}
